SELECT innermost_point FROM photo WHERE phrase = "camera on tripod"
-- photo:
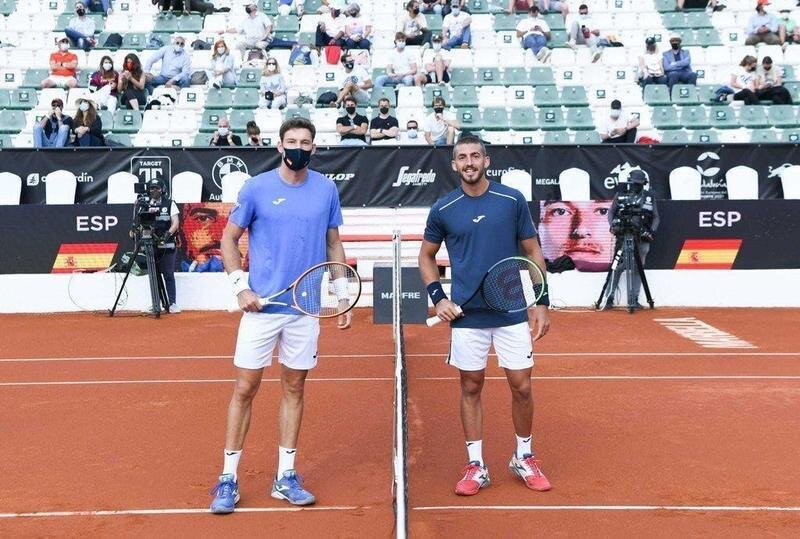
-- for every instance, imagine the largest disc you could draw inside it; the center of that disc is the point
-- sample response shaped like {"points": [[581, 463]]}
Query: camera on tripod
{"points": [[630, 216], [151, 221]]}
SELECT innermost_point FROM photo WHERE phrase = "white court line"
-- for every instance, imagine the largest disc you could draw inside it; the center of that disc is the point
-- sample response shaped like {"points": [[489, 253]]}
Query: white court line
{"points": [[124, 512], [388, 379], [699, 508], [435, 355]]}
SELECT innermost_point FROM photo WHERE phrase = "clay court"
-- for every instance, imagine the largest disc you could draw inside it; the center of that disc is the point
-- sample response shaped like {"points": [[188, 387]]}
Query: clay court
{"points": [[641, 430]]}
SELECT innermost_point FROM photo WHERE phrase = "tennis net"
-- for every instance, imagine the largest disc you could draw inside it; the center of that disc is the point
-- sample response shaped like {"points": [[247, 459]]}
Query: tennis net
{"points": [[400, 460]]}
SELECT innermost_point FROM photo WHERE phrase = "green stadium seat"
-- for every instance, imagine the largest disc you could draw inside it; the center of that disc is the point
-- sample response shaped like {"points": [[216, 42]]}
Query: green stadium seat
{"points": [[764, 136], [495, 119], [469, 119], [665, 117], [552, 120], [697, 20], [574, 96], [488, 76], [580, 118], [5, 142], [5, 99], [34, 77], [245, 98], [461, 76], [783, 116], [558, 39], [694, 117], [192, 24], [388, 93], [464, 96], [321, 91], [556, 137], [657, 94], [239, 119], [12, 121], [524, 120], [210, 119], [685, 94], [753, 117], [516, 76], [134, 40], [674, 136], [434, 23], [127, 121], [587, 137], [249, 78], [106, 119], [479, 6], [555, 21], [504, 22], [789, 73], [542, 76], [707, 37], [707, 94], [23, 99], [219, 99], [202, 139], [791, 136], [295, 112], [7, 7], [119, 139], [270, 7], [434, 90], [665, 5], [289, 23], [546, 96], [794, 90], [723, 118], [703, 137]]}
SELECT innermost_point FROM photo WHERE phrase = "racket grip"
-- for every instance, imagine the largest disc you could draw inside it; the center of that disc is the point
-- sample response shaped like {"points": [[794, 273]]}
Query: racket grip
{"points": [[433, 320]]}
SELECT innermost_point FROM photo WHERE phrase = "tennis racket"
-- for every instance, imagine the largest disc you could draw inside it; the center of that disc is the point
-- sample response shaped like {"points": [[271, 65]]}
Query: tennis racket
{"points": [[514, 284], [322, 291]]}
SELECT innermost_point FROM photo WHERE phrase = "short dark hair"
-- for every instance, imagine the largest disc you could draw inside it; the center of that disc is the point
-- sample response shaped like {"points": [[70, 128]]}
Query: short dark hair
{"points": [[382, 99], [351, 99], [399, 36], [469, 139], [297, 123], [766, 60]]}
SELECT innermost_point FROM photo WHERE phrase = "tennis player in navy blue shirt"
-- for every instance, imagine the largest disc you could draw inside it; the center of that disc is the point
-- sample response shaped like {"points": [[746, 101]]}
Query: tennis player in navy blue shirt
{"points": [[292, 216], [482, 222]]}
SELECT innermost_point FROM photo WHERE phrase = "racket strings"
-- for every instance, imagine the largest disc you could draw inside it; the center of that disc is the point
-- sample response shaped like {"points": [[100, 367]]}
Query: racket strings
{"points": [[513, 285], [327, 290]]}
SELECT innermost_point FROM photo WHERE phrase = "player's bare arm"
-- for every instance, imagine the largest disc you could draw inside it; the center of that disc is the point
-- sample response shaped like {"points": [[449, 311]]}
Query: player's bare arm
{"points": [[541, 318], [335, 251], [232, 259], [445, 309]]}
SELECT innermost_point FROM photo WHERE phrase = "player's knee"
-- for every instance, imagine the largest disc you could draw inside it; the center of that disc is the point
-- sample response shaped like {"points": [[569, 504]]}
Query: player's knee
{"points": [[471, 387], [521, 390], [245, 390], [293, 388]]}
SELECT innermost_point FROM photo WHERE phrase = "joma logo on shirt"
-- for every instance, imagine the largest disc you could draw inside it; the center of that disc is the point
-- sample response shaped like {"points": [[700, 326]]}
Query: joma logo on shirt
{"points": [[478, 219], [277, 201]]}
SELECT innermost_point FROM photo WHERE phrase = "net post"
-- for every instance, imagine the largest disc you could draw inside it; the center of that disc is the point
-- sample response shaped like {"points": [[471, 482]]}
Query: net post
{"points": [[400, 485]]}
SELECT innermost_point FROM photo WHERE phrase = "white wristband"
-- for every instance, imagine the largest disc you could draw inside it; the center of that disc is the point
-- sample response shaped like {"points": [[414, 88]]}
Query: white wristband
{"points": [[238, 281], [340, 288]]}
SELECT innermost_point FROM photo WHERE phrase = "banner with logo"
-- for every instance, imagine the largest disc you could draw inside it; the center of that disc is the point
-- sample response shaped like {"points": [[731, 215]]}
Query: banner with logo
{"points": [[418, 175]]}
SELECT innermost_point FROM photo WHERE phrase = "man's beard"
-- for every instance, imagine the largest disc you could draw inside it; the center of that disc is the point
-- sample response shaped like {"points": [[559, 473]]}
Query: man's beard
{"points": [[479, 176]]}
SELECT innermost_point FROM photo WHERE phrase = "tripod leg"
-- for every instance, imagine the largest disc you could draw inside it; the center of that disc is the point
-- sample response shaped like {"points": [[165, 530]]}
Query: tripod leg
{"points": [[152, 274], [640, 269], [629, 255], [609, 276], [125, 279]]}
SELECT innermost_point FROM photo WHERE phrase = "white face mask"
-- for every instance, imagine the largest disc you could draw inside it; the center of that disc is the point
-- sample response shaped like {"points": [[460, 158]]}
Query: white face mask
{"points": [[456, 11], [84, 106], [412, 133], [107, 66], [400, 44], [178, 49], [271, 67], [220, 50], [437, 47], [223, 131], [63, 46], [615, 114]]}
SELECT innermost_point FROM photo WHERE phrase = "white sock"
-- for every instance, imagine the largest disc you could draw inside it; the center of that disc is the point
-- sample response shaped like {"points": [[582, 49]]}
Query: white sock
{"points": [[524, 446], [475, 450], [231, 462], [285, 460]]}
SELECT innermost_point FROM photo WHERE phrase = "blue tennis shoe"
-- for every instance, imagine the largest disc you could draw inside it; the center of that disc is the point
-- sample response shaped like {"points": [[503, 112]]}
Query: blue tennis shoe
{"points": [[290, 488], [227, 495]]}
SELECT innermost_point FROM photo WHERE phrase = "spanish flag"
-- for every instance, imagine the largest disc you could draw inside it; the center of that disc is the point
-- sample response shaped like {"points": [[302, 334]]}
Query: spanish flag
{"points": [[708, 254], [74, 257]]}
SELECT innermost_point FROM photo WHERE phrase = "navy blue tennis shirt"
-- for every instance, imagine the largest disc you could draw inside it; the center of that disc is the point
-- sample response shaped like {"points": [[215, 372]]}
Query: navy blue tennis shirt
{"points": [[479, 232]]}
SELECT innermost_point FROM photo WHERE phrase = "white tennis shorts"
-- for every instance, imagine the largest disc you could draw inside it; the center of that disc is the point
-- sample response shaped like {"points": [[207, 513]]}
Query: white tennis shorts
{"points": [[469, 347], [295, 335]]}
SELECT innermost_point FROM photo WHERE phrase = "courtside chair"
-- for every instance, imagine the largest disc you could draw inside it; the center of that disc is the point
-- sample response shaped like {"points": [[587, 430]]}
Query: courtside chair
{"points": [[520, 180], [60, 187], [574, 184], [231, 184], [790, 180], [684, 184], [187, 186], [10, 189], [742, 183], [120, 188]]}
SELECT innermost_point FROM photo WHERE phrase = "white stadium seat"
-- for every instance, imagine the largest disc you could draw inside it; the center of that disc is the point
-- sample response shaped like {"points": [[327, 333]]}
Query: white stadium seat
{"points": [[10, 188], [187, 187], [60, 187], [120, 188]]}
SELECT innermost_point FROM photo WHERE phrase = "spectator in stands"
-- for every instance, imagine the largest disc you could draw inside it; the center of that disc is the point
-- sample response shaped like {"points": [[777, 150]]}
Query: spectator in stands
{"points": [[383, 126], [456, 28], [80, 29], [762, 27], [618, 127], [206, 8], [87, 126], [522, 6], [743, 82], [272, 87], [769, 83], [53, 130], [352, 127], [788, 30], [411, 135], [63, 67], [432, 6], [678, 64], [286, 7], [253, 134], [710, 5], [132, 82], [402, 68], [354, 81], [584, 31], [440, 127], [447, 6], [651, 64], [176, 66], [99, 6], [256, 32], [330, 29], [414, 25], [535, 33], [435, 64], [104, 82], [222, 70], [168, 6], [554, 6], [357, 28], [223, 135]]}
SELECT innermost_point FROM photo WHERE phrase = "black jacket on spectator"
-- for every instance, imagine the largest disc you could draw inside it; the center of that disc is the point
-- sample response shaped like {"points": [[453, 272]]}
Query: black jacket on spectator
{"points": [[223, 141], [52, 125], [93, 138]]}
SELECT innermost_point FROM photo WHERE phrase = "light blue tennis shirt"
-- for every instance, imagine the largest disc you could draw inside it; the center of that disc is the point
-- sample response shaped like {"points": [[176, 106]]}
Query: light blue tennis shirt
{"points": [[287, 227]]}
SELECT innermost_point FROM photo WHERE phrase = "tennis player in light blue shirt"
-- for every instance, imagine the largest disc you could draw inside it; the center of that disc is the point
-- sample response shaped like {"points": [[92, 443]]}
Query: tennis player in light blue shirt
{"points": [[292, 215]]}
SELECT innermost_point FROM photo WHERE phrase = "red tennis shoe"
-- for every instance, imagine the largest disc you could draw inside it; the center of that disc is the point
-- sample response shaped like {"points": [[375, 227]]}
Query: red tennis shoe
{"points": [[528, 469], [475, 478]]}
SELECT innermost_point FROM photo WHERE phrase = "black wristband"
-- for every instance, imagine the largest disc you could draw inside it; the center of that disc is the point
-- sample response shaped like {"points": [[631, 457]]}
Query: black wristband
{"points": [[545, 298], [436, 292]]}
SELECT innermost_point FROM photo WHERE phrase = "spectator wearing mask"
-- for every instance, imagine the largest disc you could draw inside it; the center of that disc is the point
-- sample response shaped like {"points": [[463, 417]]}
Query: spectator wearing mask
{"points": [[87, 126], [584, 31], [651, 64], [414, 25], [456, 28], [80, 29], [435, 64], [223, 135], [357, 29], [286, 7], [678, 64], [762, 27], [402, 68], [99, 6], [255, 32], [432, 6], [352, 127], [104, 82], [519, 6], [440, 127], [743, 82], [353, 81], [176, 66], [788, 30], [222, 70], [272, 87], [534, 32], [554, 6], [53, 129], [63, 67], [769, 83], [253, 134], [411, 135], [447, 6], [618, 127], [132, 82], [383, 126], [331, 28]]}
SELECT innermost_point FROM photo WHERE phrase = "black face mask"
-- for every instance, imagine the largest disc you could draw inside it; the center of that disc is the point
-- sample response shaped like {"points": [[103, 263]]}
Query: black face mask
{"points": [[384, 110], [349, 65], [675, 46], [350, 110], [249, 10], [296, 158], [415, 11], [80, 12], [438, 110]]}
